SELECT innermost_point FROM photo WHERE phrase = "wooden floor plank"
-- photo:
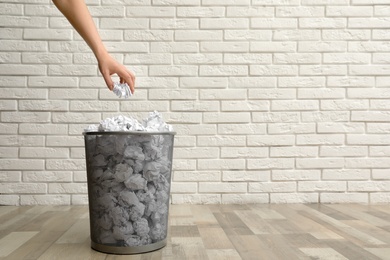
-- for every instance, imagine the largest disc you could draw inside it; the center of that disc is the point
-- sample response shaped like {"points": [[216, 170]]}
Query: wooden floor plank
{"points": [[201, 232]]}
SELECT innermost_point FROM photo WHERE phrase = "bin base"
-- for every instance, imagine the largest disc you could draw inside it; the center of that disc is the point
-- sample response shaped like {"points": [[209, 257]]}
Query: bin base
{"points": [[122, 250]]}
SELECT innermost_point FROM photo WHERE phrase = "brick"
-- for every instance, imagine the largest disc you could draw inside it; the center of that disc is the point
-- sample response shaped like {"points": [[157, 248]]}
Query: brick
{"points": [[196, 35], [314, 163], [107, 11], [369, 186], [288, 128], [42, 152], [346, 34], [345, 174], [172, 94], [176, 2], [47, 34], [380, 174], [363, 139], [150, 11], [43, 82], [274, 47], [328, 197], [323, 22], [272, 94], [184, 187], [73, 94], [227, 129], [297, 35], [8, 105], [294, 198], [245, 106], [198, 176], [22, 69], [65, 141], [272, 23], [166, 23], [226, 117], [9, 152], [185, 141], [272, 187], [178, 117], [44, 200], [72, 70], [368, 116], [16, 164], [173, 70], [15, 188], [358, 58], [43, 129], [43, 105], [329, 127], [196, 152], [34, 117], [224, 164], [10, 57], [275, 2], [125, 2], [11, 33], [162, 58], [93, 106], [327, 186], [184, 165], [65, 164], [194, 105], [350, 104], [379, 151], [248, 35], [157, 82], [323, 46], [224, 46], [380, 197], [203, 82], [252, 58], [79, 176], [174, 47], [224, 23], [367, 163], [278, 117], [59, 22], [299, 151], [326, 116], [287, 105], [230, 187], [239, 176], [23, 21], [244, 198], [200, 11], [199, 58], [270, 163], [249, 11], [11, 9], [323, 69], [79, 199], [47, 176], [124, 23], [380, 34], [73, 117], [252, 82], [243, 152], [77, 153], [301, 82], [378, 127], [225, 94], [161, 106], [297, 58], [12, 81], [20, 140], [10, 176], [296, 175], [223, 70], [299, 11], [148, 35], [196, 198], [270, 140], [196, 129], [341, 151], [68, 188], [320, 139]]}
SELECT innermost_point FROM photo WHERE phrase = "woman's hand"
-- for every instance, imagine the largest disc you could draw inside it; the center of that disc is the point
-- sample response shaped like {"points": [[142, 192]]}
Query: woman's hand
{"points": [[108, 66]]}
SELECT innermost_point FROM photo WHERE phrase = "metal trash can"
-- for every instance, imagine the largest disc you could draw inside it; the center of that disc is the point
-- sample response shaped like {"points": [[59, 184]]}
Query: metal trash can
{"points": [[129, 180]]}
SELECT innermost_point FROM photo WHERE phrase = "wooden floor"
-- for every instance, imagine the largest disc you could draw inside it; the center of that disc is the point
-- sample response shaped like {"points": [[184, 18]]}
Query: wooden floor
{"points": [[267, 231]]}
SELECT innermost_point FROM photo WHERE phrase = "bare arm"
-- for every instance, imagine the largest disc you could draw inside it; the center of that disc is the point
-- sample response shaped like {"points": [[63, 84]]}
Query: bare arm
{"points": [[79, 17]]}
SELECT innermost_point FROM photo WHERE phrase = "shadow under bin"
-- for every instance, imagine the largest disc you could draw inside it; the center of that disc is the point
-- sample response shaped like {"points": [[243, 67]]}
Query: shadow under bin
{"points": [[129, 180]]}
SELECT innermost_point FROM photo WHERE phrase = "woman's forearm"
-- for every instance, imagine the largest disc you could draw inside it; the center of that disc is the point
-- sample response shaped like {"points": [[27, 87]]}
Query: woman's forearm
{"points": [[78, 15]]}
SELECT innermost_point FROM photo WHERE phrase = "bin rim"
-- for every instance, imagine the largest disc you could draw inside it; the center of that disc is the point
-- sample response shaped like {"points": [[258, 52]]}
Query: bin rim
{"points": [[129, 133]]}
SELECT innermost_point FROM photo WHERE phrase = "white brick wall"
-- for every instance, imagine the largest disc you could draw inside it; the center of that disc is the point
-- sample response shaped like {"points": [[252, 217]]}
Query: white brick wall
{"points": [[282, 101]]}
